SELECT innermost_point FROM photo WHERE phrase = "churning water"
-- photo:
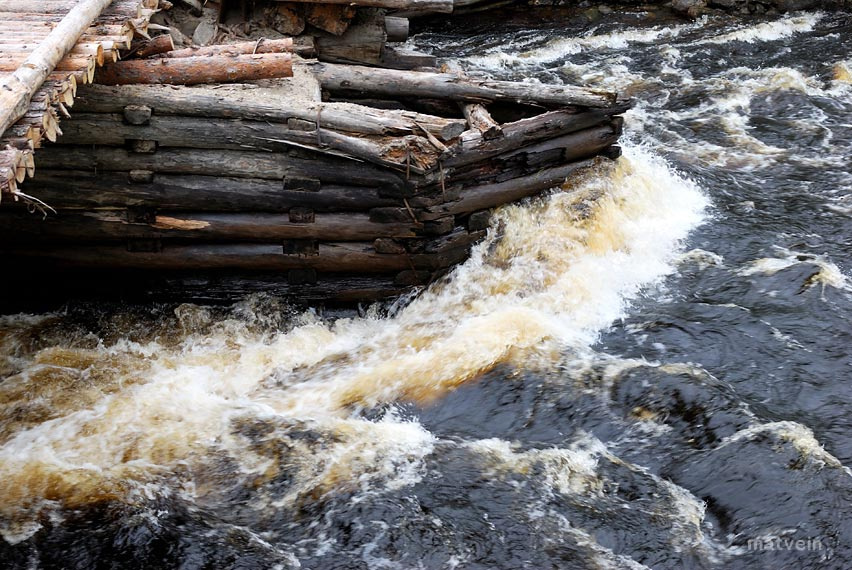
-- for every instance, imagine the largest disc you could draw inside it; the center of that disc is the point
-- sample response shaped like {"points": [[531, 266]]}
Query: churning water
{"points": [[650, 368]]}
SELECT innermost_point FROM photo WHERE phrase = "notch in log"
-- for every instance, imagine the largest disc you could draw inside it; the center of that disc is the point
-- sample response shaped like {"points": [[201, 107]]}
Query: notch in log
{"points": [[388, 245], [300, 215], [302, 276], [140, 176], [440, 226], [142, 146], [302, 247], [302, 184], [390, 215], [295, 124], [141, 214], [137, 114]]}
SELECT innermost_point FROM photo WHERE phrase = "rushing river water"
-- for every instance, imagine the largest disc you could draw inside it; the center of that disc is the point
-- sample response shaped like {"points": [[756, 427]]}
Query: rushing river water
{"points": [[651, 370]]}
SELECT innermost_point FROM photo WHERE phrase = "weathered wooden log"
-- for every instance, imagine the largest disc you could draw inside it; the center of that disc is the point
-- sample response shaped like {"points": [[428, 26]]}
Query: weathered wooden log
{"points": [[56, 7], [196, 70], [492, 195], [86, 190], [393, 58], [17, 88], [232, 164], [156, 45], [359, 80], [473, 148], [409, 153], [100, 226], [332, 257], [282, 45], [480, 120], [331, 18], [439, 6], [167, 100], [362, 43], [397, 29], [287, 18]]}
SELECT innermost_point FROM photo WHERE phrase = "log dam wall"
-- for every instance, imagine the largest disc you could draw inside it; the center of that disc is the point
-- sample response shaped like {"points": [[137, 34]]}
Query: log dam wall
{"points": [[341, 183]]}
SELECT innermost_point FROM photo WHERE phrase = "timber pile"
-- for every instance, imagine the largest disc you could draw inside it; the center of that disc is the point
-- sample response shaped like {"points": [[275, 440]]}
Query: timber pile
{"points": [[47, 49], [383, 183]]}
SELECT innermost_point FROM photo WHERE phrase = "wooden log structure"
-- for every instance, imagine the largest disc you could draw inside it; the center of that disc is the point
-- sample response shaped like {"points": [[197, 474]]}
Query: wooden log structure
{"points": [[197, 184], [194, 70], [48, 47]]}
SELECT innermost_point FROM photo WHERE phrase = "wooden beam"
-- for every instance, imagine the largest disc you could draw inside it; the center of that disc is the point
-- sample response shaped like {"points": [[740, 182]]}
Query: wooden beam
{"points": [[197, 70]]}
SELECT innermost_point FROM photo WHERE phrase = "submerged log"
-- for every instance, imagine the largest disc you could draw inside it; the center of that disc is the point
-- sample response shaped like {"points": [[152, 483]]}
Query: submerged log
{"points": [[165, 100], [357, 80], [196, 70]]}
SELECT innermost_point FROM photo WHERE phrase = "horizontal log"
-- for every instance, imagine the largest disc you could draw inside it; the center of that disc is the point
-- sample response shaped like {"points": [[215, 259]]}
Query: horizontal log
{"points": [[492, 195], [92, 227], [282, 45], [231, 164], [197, 70], [188, 132], [438, 6], [87, 190], [188, 101], [157, 45], [473, 147], [361, 43], [329, 257], [359, 80]]}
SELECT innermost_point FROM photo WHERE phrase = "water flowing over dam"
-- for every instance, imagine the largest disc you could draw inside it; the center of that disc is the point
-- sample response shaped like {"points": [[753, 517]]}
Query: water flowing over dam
{"points": [[646, 369]]}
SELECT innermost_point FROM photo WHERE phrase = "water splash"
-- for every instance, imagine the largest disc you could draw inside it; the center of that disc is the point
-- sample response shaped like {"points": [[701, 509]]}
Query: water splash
{"points": [[141, 418]]}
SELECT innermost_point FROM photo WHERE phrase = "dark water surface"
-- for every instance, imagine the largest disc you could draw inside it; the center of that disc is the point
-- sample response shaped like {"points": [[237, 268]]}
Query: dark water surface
{"points": [[651, 371]]}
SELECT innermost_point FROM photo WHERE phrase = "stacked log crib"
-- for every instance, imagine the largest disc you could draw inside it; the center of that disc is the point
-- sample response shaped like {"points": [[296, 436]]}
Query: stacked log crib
{"points": [[340, 183]]}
